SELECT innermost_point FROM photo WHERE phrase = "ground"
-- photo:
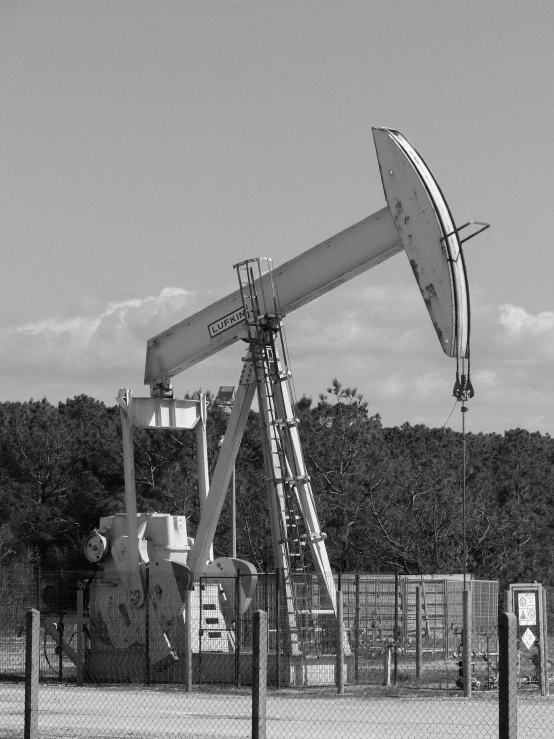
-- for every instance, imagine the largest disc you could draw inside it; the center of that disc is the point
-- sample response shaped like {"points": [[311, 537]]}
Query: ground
{"points": [[153, 713]]}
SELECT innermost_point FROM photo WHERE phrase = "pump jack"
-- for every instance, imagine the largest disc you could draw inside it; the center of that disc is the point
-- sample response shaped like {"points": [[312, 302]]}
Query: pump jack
{"points": [[416, 219]]}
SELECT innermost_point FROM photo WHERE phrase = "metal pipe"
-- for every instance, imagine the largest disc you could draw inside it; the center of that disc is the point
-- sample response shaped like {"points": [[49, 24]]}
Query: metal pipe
{"points": [[147, 625], [466, 654], [340, 644], [419, 651], [188, 641], [396, 626], [233, 514], [357, 629], [259, 675], [130, 493], [237, 630]]}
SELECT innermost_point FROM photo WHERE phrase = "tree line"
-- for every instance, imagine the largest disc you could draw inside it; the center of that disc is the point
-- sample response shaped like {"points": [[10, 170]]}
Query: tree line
{"points": [[389, 499]]}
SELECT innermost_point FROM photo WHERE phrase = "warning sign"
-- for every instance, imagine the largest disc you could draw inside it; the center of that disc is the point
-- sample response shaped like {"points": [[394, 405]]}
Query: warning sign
{"points": [[528, 638], [527, 609]]}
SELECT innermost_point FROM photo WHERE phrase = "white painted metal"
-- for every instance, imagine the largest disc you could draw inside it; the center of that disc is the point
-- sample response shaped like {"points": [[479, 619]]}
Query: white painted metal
{"points": [[298, 281], [157, 413], [117, 612], [276, 490], [295, 527], [316, 538], [200, 552], [418, 219], [202, 454], [131, 545], [429, 236], [228, 568], [286, 475], [164, 413], [129, 472]]}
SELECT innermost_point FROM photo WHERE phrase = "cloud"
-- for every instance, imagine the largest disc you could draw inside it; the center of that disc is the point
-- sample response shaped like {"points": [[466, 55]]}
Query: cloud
{"points": [[518, 322], [377, 338], [90, 345], [368, 321], [419, 386], [486, 378], [531, 334], [381, 340]]}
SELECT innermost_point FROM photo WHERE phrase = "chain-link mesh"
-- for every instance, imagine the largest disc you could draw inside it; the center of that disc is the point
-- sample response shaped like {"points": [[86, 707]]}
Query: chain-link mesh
{"points": [[144, 676], [381, 617], [18, 593]]}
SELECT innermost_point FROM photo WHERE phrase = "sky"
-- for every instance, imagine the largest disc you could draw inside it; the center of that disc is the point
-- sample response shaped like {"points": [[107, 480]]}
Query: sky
{"points": [[148, 146]]}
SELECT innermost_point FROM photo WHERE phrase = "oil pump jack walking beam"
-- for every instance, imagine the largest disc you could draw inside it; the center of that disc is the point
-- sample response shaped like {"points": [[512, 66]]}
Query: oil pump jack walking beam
{"points": [[417, 220]]}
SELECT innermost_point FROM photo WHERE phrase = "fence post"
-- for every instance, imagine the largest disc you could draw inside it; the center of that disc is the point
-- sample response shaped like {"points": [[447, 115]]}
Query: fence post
{"points": [[32, 667], [259, 675], [543, 646], [200, 627], [147, 624], [277, 627], [419, 623], [466, 653], [507, 676], [238, 635], [396, 625], [340, 644], [357, 630], [60, 627], [507, 601], [80, 637], [188, 641]]}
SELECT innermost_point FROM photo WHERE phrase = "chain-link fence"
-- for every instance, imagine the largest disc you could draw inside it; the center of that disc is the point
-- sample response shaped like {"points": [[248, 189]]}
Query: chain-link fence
{"points": [[418, 624], [120, 658]]}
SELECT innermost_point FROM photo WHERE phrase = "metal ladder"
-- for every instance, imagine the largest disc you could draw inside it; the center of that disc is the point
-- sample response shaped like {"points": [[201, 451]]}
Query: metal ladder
{"points": [[285, 471]]}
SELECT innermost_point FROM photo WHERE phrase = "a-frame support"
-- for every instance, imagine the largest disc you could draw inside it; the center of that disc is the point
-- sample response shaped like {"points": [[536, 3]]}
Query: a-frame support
{"points": [[200, 552]]}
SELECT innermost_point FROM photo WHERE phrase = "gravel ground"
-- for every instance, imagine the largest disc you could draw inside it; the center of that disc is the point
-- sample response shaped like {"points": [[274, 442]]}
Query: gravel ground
{"points": [[153, 713]]}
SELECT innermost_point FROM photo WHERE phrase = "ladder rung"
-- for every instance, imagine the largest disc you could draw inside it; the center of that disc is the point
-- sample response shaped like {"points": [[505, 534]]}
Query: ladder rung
{"points": [[283, 422], [293, 541], [283, 376], [294, 481], [298, 480], [313, 539]]}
